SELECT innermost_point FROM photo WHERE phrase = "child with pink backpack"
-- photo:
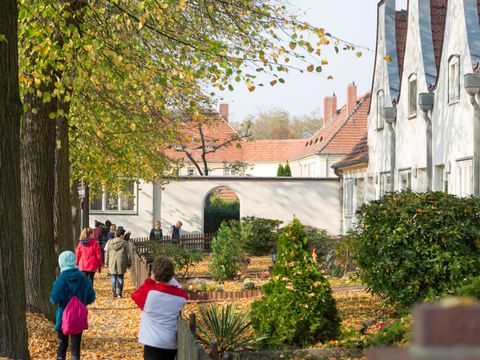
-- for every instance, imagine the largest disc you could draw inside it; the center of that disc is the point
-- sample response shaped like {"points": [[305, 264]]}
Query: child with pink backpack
{"points": [[72, 292]]}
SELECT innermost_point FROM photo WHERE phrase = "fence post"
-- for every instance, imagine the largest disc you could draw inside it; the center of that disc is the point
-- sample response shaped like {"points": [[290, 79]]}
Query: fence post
{"points": [[192, 323], [214, 350]]}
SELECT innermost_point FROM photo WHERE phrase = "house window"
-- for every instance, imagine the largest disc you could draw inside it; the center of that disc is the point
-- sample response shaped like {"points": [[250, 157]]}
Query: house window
{"points": [[380, 106], [177, 147], [464, 177], [190, 171], [370, 189], [228, 172], [405, 180], [360, 192], [412, 95], [385, 182], [453, 78], [123, 202], [440, 178], [349, 183]]}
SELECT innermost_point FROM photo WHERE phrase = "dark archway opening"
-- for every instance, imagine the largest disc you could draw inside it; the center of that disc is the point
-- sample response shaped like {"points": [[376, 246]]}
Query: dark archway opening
{"points": [[221, 204]]}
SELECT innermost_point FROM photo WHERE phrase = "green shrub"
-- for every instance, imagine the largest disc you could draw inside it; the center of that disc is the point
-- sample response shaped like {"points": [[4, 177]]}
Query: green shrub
{"points": [[286, 170], [298, 307], [412, 246], [226, 254], [229, 329], [470, 287], [219, 210], [398, 332], [259, 235], [320, 241], [280, 170], [345, 249], [183, 259]]}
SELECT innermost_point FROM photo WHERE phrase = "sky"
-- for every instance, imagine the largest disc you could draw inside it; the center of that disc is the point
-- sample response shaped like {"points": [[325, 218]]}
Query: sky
{"points": [[352, 20]]}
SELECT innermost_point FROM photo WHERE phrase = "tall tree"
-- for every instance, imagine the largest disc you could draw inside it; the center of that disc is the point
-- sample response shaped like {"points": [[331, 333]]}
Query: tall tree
{"points": [[280, 124], [13, 330]]}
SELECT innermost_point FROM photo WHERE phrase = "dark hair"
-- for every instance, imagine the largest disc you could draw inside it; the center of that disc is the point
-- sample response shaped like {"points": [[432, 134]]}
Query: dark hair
{"points": [[108, 223], [97, 223], [120, 231], [163, 269]]}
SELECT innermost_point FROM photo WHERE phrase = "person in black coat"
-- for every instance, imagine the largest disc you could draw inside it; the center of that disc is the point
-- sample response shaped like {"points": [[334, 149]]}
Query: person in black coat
{"points": [[156, 234]]}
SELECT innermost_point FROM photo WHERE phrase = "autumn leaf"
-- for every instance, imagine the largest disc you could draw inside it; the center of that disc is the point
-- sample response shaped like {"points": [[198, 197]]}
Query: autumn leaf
{"points": [[273, 82], [3, 38], [310, 68], [324, 62], [387, 58]]}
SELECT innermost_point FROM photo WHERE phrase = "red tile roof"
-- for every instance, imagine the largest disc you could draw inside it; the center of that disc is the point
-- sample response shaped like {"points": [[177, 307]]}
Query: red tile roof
{"points": [[271, 150], [358, 155], [438, 15], [340, 134], [401, 26]]}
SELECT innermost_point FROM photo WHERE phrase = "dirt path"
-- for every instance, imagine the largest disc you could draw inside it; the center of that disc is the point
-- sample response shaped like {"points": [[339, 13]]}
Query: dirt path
{"points": [[113, 327]]}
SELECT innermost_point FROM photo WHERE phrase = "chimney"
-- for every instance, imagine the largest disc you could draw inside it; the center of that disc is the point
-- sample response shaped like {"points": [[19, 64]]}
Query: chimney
{"points": [[224, 111], [351, 97], [329, 108]]}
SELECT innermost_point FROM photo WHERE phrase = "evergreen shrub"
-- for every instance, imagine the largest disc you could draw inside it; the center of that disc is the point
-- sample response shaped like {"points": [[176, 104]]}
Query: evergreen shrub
{"points": [[415, 246], [259, 235], [226, 254], [280, 170], [298, 307]]}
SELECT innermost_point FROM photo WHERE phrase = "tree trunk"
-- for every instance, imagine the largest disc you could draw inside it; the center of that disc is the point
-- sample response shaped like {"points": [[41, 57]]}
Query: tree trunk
{"points": [[13, 329], [37, 177], [63, 226]]}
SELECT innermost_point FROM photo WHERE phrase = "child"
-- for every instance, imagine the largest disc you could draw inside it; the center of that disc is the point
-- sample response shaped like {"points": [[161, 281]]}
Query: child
{"points": [[70, 282], [161, 303]]}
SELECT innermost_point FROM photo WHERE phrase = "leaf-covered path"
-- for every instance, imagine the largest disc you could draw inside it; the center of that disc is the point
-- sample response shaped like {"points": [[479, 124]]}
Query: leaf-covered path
{"points": [[113, 327]]}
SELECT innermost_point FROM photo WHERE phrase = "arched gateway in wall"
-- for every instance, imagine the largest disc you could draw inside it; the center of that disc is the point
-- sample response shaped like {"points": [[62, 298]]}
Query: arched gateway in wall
{"points": [[316, 202], [220, 204]]}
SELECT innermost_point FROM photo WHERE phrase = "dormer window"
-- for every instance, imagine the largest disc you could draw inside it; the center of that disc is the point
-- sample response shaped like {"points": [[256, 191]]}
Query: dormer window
{"points": [[316, 140], [412, 95], [380, 106], [209, 147], [453, 79], [177, 147]]}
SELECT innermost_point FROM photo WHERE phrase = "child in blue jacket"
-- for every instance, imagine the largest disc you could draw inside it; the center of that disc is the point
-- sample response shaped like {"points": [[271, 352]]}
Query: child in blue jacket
{"points": [[70, 282]]}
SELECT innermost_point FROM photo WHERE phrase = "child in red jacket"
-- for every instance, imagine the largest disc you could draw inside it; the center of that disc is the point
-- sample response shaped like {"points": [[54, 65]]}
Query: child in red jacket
{"points": [[89, 255]]}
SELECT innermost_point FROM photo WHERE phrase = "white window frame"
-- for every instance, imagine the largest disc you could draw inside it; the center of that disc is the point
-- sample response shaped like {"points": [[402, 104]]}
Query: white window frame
{"points": [[464, 177], [453, 79], [380, 107], [405, 179], [349, 196], [385, 181], [412, 95], [118, 210]]}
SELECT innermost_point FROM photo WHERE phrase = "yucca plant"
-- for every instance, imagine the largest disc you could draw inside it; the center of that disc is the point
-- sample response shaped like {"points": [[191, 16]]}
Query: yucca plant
{"points": [[229, 329]]}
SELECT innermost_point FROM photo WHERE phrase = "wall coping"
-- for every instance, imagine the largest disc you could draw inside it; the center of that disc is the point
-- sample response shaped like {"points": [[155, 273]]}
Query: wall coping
{"points": [[252, 178]]}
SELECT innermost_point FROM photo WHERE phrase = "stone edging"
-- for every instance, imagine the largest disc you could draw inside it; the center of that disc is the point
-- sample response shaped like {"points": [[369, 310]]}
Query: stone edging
{"points": [[224, 295], [251, 294]]}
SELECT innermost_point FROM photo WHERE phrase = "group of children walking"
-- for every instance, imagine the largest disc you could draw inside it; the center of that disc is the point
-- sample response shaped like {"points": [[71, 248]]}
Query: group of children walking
{"points": [[160, 298]]}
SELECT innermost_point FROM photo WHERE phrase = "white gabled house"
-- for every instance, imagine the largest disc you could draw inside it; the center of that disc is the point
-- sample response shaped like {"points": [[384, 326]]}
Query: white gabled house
{"points": [[423, 133]]}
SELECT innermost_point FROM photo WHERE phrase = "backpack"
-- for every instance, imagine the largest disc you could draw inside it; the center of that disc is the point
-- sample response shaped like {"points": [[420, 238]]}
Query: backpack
{"points": [[75, 316]]}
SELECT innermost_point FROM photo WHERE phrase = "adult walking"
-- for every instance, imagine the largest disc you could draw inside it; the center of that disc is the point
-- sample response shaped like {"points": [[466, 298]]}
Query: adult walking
{"points": [[71, 282], [161, 303], [89, 255], [117, 258]]}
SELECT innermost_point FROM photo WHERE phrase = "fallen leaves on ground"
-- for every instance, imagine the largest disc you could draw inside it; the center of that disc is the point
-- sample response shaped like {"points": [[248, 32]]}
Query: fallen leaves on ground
{"points": [[113, 327]]}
